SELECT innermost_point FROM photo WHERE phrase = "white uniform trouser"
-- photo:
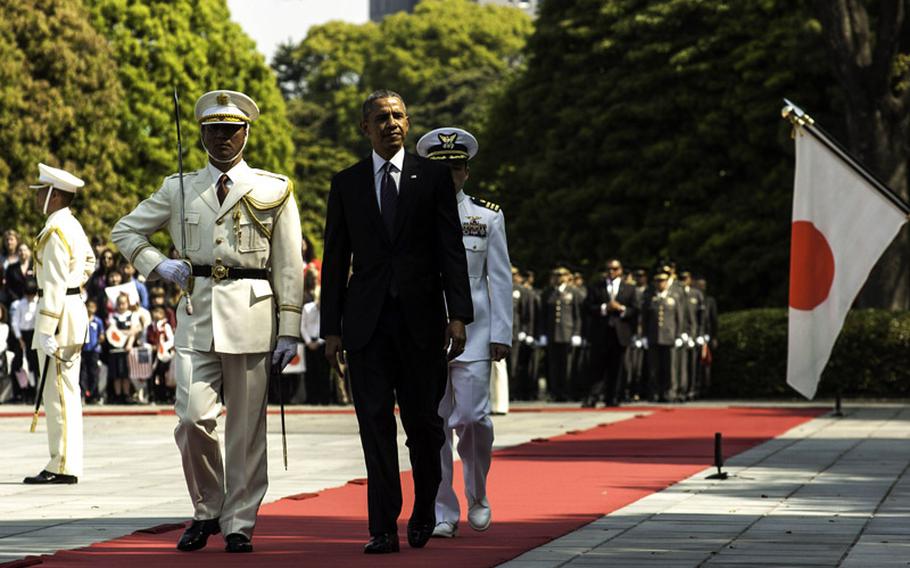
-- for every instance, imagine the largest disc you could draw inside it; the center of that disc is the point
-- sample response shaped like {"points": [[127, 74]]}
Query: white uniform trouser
{"points": [[63, 408], [233, 493], [465, 408]]}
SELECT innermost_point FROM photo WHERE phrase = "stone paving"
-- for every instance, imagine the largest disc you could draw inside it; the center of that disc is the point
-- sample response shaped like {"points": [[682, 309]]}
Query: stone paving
{"points": [[832, 492], [133, 478]]}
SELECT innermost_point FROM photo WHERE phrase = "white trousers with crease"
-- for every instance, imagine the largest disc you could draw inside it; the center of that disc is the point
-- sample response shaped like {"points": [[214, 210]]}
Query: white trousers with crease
{"points": [[465, 408]]}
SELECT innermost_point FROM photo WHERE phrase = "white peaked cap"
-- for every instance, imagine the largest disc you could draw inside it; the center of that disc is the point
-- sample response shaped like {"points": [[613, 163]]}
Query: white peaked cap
{"points": [[447, 144], [226, 107], [58, 179]]}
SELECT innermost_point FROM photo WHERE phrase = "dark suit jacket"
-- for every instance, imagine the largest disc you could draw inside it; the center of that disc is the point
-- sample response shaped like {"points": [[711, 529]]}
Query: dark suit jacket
{"points": [[623, 325], [15, 279], [423, 260]]}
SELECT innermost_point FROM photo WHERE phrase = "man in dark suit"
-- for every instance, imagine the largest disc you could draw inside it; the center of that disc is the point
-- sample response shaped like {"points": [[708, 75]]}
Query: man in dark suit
{"points": [[397, 215], [612, 315]]}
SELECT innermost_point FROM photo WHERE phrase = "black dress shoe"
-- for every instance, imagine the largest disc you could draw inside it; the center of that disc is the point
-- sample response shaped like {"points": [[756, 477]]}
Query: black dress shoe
{"points": [[198, 534], [382, 544], [237, 542], [419, 533], [46, 477]]}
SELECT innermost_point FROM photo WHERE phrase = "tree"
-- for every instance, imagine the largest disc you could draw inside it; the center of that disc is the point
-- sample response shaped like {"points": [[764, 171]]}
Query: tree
{"points": [[870, 56], [650, 128], [447, 59], [193, 45], [60, 98]]}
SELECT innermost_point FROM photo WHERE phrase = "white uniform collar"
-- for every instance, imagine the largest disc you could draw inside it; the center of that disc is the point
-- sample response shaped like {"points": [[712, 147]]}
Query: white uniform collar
{"points": [[397, 161], [460, 196], [58, 213], [235, 174]]}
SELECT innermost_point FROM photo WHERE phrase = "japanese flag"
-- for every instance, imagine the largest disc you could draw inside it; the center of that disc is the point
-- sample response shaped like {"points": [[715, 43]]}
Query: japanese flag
{"points": [[841, 226]]}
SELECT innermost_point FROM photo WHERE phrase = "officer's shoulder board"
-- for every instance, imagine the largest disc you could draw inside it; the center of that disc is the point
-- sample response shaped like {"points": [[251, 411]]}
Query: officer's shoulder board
{"points": [[271, 194], [176, 176], [485, 204]]}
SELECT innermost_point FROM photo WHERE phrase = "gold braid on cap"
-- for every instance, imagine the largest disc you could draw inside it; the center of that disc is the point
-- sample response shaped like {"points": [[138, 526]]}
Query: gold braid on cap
{"points": [[223, 117]]}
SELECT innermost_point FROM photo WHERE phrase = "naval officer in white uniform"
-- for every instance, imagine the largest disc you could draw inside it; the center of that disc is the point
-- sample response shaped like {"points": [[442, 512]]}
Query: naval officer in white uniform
{"points": [[465, 406]]}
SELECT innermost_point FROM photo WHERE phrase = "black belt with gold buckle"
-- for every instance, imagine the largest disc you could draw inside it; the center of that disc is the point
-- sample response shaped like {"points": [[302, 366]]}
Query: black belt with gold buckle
{"points": [[69, 292], [220, 272]]}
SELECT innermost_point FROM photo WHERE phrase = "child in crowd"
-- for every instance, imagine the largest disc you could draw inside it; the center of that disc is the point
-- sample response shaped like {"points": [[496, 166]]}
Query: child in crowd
{"points": [[160, 335], [22, 316], [121, 336], [91, 353]]}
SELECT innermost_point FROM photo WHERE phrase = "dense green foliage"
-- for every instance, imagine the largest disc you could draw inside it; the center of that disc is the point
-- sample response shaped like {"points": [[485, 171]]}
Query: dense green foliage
{"points": [[193, 45], [448, 59], [59, 104], [87, 85], [869, 359], [651, 128]]}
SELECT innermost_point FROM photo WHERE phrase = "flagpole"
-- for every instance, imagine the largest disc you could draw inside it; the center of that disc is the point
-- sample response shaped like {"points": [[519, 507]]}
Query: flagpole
{"points": [[802, 121]]}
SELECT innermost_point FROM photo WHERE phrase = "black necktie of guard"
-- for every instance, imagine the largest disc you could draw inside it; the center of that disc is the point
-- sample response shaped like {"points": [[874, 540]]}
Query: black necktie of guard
{"points": [[388, 197]]}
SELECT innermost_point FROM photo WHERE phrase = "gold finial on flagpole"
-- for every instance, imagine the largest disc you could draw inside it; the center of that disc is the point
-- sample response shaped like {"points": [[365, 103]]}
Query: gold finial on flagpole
{"points": [[797, 117]]}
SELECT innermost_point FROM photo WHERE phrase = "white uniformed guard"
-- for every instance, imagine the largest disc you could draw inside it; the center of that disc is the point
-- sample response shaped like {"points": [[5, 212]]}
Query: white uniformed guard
{"points": [[64, 261], [242, 230], [466, 403]]}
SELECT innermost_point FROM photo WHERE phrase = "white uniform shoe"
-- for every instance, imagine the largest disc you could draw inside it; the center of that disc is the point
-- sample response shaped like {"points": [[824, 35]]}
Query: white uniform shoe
{"points": [[445, 529], [479, 515]]}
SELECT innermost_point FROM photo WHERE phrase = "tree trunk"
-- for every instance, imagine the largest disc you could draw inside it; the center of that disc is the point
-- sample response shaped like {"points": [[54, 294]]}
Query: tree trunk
{"points": [[878, 120]]}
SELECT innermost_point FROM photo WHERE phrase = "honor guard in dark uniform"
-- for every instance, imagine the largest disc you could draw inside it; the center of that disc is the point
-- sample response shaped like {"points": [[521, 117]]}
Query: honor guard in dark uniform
{"points": [[662, 321], [562, 331], [708, 337], [693, 313]]}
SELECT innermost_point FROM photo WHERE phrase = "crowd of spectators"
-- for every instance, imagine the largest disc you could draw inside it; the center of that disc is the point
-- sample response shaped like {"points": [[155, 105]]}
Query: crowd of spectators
{"points": [[129, 346]]}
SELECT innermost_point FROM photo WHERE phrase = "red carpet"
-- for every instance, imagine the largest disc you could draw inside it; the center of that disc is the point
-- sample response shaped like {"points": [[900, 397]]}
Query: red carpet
{"points": [[538, 491]]}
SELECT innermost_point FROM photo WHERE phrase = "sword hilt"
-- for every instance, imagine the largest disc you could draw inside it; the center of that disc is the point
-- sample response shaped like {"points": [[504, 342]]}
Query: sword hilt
{"points": [[35, 424]]}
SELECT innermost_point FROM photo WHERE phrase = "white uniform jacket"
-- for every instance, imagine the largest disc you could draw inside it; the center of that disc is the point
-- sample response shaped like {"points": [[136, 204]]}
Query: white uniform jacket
{"points": [[64, 260], [257, 226], [490, 276]]}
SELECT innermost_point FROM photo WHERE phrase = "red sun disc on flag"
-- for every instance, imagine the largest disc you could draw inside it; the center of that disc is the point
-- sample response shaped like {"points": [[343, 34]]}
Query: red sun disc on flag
{"points": [[811, 266]]}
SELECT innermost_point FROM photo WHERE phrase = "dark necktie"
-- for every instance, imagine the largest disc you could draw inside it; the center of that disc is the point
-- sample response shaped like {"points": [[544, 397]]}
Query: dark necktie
{"points": [[388, 197], [222, 188]]}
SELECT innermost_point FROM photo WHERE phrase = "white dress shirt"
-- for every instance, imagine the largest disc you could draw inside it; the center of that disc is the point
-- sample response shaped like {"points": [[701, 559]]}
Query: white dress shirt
{"points": [[22, 315], [378, 162], [235, 174]]}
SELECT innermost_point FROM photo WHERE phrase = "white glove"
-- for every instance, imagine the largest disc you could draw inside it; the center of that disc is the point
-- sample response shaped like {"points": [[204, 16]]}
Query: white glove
{"points": [[678, 343], [603, 309], [644, 342], [576, 341], [700, 340], [691, 344], [176, 271], [638, 343], [707, 338], [542, 341], [284, 351], [685, 337], [522, 335], [48, 344], [529, 340]]}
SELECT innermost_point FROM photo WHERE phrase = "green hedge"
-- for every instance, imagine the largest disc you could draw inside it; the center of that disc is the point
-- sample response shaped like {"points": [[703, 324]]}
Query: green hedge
{"points": [[870, 359]]}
